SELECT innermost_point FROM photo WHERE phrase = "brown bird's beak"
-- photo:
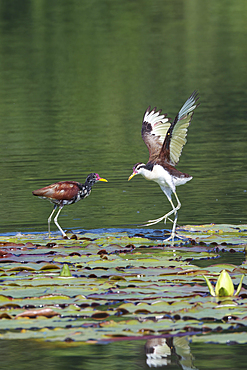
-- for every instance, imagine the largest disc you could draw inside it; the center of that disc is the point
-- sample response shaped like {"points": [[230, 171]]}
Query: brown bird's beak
{"points": [[131, 176], [101, 179]]}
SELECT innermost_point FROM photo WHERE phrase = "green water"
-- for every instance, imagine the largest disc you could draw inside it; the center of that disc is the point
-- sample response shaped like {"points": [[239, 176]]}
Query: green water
{"points": [[129, 355], [75, 80]]}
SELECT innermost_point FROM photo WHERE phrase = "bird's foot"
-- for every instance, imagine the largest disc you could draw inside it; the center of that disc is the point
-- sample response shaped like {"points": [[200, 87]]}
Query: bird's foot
{"points": [[175, 235], [153, 222], [170, 238], [169, 220], [63, 236]]}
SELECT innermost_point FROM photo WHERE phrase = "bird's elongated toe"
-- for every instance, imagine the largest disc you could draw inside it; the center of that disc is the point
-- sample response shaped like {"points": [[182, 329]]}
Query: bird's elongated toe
{"points": [[165, 140]]}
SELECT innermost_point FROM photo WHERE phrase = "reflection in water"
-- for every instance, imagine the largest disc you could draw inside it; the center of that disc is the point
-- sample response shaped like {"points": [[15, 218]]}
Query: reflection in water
{"points": [[168, 351], [17, 354], [158, 352]]}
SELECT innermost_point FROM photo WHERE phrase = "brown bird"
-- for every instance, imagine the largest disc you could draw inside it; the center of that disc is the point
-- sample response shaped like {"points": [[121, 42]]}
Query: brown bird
{"points": [[165, 141], [66, 192]]}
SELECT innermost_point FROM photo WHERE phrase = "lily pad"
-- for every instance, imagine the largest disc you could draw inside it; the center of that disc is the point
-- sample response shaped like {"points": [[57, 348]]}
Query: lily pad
{"points": [[117, 285]]}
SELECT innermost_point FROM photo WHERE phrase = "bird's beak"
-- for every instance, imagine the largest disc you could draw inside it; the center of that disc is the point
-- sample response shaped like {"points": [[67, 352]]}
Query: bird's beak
{"points": [[101, 179], [131, 176]]}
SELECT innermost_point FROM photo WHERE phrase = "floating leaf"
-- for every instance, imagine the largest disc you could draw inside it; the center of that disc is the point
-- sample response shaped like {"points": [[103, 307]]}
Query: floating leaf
{"points": [[47, 312], [123, 285]]}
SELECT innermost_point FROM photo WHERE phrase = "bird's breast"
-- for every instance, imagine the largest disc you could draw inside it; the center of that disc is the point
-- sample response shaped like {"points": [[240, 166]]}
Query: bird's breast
{"points": [[158, 174], [84, 192], [166, 177]]}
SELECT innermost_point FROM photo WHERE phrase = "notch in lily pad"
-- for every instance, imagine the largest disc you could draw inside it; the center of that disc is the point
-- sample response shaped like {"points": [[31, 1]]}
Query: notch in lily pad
{"points": [[65, 272], [224, 286]]}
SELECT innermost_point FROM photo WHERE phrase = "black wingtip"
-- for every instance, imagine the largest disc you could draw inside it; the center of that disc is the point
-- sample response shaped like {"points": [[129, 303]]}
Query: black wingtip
{"points": [[195, 96]]}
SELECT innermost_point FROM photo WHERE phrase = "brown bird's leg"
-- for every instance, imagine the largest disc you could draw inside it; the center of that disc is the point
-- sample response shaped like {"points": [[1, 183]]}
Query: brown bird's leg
{"points": [[49, 220], [56, 222]]}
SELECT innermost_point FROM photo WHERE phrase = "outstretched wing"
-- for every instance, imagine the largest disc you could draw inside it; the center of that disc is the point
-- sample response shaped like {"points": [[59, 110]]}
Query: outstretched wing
{"points": [[176, 135], [154, 129]]}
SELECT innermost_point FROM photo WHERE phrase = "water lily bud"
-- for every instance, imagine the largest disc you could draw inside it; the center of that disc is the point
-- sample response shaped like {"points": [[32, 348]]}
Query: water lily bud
{"points": [[224, 286], [65, 272]]}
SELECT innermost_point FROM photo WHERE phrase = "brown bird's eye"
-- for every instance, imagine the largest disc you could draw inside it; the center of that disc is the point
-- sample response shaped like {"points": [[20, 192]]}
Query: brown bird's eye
{"points": [[64, 193]]}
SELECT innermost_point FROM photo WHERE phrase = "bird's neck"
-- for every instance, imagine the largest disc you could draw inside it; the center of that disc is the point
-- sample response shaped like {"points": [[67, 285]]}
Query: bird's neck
{"points": [[88, 185], [147, 171], [154, 172], [85, 189], [149, 166]]}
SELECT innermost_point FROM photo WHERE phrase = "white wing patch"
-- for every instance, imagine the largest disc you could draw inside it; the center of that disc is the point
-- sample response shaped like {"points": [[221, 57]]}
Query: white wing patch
{"points": [[163, 138], [159, 122]]}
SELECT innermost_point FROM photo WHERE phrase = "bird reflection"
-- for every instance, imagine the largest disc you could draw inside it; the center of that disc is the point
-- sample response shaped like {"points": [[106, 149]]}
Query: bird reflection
{"points": [[168, 351]]}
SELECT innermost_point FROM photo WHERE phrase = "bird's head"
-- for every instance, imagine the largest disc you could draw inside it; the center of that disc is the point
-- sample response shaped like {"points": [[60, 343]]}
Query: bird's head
{"points": [[138, 169], [93, 178]]}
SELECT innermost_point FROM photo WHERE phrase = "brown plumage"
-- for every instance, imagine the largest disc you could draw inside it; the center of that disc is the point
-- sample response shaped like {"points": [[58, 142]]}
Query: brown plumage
{"points": [[60, 191], [165, 140], [66, 192]]}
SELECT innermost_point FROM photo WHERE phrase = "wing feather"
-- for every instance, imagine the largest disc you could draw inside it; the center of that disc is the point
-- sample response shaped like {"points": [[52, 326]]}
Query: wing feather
{"points": [[154, 129], [176, 135], [63, 190]]}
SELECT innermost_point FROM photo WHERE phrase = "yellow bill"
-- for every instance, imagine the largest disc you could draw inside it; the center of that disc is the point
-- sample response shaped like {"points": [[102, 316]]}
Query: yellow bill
{"points": [[131, 176]]}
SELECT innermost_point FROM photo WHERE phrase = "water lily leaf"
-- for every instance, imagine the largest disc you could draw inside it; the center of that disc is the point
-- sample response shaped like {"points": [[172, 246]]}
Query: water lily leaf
{"points": [[221, 339], [100, 315], [21, 268], [123, 285], [5, 315], [47, 312], [49, 266]]}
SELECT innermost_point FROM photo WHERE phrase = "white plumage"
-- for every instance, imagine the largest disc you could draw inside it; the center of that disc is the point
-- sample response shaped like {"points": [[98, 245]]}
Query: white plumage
{"points": [[165, 141]]}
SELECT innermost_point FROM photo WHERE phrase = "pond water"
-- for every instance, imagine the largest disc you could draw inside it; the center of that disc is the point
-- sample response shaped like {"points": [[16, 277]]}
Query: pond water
{"points": [[131, 355], [75, 81]]}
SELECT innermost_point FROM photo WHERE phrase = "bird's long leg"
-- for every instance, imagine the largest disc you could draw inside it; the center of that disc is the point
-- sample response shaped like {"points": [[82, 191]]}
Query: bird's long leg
{"points": [[49, 220], [175, 209], [165, 217], [56, 222]]}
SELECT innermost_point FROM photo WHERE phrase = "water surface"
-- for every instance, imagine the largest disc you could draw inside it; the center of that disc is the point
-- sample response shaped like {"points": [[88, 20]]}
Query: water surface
{"points": [[75, 80], [119, 355]]}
